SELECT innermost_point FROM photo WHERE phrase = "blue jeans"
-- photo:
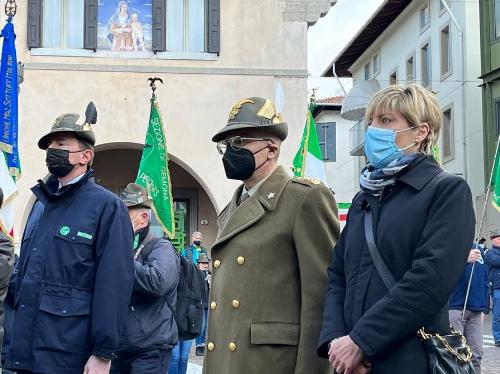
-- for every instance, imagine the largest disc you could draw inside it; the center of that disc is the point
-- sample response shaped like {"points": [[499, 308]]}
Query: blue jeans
{"points": [[200, 340], [496, 315], [180, 356]]}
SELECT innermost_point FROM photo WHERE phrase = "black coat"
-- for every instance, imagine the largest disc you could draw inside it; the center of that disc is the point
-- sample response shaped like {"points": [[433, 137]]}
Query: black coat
{"points": [[424, 232], [150, 322], [75, 278]]}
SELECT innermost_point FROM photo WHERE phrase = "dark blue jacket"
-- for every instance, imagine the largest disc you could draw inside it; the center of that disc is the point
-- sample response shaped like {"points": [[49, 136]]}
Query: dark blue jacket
{"points": [[492, 259], [150, 323], [478, 300], [75, 278], [412, 223]]}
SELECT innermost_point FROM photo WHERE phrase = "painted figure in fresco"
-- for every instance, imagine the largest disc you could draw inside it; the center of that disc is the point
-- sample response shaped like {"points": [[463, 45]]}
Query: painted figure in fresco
{"points": [[120, 29], [137, 33]]}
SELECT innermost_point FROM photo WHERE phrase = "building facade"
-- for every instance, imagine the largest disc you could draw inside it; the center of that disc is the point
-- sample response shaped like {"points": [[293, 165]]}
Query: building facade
{"points": [[340, 167], [209, 53], [490, 75], [433, 43]]}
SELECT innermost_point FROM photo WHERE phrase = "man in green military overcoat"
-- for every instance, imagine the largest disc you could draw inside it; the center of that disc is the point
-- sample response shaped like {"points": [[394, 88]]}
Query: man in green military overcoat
{"points": [[270, 257]]}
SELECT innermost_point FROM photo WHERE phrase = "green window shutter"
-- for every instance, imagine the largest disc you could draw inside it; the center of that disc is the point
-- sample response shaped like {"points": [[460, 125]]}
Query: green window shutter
{"points": [[90, 24], [34, 23]]}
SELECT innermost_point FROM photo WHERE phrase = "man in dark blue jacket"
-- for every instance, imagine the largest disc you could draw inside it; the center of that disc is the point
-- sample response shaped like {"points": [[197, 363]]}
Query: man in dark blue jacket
{"points": [[76, 266], [471, 324], [492, 259], [150, 330]]}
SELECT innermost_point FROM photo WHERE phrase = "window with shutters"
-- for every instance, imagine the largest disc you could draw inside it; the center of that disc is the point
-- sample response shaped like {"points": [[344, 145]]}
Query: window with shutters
{"points": [[186, 20], [425, 16], [497, 117], [393, 77], [445, 46], [448, 135], [185, 26], [425, 65], [62, 23], [327, 138], [496, 19], [410, 68]]}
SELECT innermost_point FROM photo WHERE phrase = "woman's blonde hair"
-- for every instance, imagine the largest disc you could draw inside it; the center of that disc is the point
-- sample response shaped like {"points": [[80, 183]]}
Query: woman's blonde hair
{"points": [[415, 103]]}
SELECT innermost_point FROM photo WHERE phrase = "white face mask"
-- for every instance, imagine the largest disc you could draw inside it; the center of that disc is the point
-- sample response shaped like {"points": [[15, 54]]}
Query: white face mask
{"points": [[133, 227]]}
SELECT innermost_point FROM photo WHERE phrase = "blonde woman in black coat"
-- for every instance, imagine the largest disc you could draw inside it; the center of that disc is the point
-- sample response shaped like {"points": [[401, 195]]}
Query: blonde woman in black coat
{"points": [[423, 224]]}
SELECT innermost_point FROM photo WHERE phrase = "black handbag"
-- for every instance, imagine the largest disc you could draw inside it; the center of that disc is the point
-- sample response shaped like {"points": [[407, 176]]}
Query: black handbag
{"points": [[446, 354]]}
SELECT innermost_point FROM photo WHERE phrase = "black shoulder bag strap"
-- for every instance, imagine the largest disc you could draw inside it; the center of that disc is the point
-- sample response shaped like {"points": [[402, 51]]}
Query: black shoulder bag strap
{"points": [[380, 265], [377, 259]]}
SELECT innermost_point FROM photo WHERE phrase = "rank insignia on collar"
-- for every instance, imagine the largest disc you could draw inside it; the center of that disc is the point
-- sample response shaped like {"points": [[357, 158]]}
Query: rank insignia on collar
{"points": [[270, 196]]}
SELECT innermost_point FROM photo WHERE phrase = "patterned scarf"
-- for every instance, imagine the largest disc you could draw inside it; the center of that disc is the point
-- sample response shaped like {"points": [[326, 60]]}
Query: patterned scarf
{"points": [[375, 180]]}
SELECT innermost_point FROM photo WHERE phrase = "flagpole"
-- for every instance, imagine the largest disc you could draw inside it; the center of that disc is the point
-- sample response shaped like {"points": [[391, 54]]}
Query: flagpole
{"points": [[488, 190]]}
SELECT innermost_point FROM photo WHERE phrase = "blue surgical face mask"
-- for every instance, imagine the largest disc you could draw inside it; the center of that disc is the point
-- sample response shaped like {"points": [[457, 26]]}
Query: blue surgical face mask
{"points": [[381, 148]]}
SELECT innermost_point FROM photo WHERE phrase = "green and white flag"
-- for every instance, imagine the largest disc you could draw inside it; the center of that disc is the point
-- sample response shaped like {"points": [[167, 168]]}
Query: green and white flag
{"points": [[495, 180], [153, 171], [308, 161]]}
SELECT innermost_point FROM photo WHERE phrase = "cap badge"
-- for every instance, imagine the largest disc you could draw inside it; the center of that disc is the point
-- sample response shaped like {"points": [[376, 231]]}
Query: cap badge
{"points": [[236, 107]]}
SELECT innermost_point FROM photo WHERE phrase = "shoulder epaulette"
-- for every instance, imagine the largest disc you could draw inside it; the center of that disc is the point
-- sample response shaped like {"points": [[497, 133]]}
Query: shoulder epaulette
{"points": [[307, 181]]}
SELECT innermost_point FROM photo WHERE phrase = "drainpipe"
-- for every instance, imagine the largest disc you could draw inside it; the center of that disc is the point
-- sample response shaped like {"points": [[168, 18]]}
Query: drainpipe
{"points": [[338, 80], [461, 47]]}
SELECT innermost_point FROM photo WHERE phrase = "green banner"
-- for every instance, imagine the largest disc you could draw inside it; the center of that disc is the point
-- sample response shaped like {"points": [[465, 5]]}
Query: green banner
{"points": [[495, 181], [153, 171]]}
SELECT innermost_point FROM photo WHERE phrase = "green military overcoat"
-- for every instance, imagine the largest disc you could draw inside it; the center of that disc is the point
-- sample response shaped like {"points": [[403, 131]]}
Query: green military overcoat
{"points": [[269, 272]]}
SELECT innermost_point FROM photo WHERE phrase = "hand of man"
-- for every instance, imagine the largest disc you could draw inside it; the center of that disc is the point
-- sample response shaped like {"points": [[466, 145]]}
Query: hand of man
{"points": [[474, 255], [346, 357], [96, 365]]}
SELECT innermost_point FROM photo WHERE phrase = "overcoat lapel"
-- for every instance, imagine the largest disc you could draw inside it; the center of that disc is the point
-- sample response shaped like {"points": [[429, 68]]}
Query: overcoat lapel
{"points": [[234, 219]]}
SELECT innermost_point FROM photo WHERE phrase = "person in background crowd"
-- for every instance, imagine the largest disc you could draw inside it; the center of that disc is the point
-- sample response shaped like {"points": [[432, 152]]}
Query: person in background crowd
{"points": [[6, 263], [150, 331], [203, 265], [9, 313], [270, 257], [471, 324], [192, 252], [76, 267], [420, 221], [492, 260], [180, 357]]}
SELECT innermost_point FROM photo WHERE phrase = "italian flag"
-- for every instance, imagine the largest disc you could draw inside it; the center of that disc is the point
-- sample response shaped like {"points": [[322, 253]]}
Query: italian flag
{"points": [[308, 162], [343, 208]]}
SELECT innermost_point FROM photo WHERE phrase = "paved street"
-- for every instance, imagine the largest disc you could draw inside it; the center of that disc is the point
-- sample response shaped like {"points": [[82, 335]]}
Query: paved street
{"points": [[491, 359]]}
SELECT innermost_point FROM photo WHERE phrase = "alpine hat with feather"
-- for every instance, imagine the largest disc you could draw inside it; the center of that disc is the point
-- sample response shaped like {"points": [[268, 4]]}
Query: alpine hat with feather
{"points": [[69, 123], [253, 113]]}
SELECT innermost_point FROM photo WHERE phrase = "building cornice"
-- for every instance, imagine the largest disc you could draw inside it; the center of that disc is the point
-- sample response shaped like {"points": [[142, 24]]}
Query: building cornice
{"points": [[285, 73], [309, 11]]}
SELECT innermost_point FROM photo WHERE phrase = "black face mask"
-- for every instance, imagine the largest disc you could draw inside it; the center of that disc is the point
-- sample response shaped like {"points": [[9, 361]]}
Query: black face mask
{"points": [[57, 161], [240, 164], [197, 242]]}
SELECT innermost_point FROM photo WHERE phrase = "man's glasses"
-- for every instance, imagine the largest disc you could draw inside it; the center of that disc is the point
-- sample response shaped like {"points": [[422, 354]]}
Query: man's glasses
{"points": [[236, 143]]}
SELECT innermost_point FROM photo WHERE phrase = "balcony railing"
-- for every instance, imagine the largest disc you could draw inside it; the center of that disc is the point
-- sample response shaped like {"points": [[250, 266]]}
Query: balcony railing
{"points": [[357, 138]]}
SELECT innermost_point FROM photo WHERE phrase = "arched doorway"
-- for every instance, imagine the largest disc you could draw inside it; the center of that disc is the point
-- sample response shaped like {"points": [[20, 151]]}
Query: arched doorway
{"points": [[116, 165]]}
